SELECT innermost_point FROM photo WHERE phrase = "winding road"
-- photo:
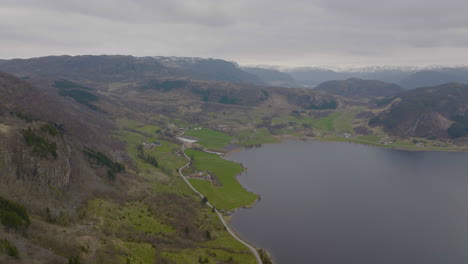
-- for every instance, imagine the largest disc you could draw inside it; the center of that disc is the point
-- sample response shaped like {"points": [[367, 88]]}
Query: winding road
{"points": [[254, 251]]}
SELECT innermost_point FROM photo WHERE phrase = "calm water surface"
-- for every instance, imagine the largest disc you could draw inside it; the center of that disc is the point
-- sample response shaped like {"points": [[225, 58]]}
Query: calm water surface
{"points": [[342, 203]]}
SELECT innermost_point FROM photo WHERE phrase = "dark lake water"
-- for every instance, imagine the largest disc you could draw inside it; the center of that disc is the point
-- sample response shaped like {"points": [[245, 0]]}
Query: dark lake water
{"points": [[343, 203]]}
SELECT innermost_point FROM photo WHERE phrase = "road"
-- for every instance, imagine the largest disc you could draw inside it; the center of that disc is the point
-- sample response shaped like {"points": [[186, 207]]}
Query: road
{"points": [[254, 251]]}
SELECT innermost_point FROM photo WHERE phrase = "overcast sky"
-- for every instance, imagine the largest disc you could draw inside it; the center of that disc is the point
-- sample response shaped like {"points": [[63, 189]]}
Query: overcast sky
{"points": [[270, 32]]}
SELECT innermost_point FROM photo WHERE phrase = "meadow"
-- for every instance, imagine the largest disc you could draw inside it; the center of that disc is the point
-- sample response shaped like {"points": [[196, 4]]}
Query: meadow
{"points": [[231, 194], [210, 139]]}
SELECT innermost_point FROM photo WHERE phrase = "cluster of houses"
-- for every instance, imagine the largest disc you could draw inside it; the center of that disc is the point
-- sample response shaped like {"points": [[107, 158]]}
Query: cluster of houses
{"points": [[171, 132], [346, 135], [224, 128], [152, 145], [386, 141], [202, 175]]}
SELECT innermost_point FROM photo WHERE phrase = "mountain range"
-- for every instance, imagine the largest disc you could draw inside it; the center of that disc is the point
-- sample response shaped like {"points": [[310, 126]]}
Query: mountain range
{"points": [[406, 77], [129, 68]]}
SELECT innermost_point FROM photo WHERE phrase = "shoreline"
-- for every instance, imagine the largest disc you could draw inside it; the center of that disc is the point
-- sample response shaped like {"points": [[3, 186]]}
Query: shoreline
{"points": [[282, 138], [237, 237]]}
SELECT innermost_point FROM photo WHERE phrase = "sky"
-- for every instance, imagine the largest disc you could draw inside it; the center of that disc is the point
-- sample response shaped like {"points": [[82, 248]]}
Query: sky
{"points": [[289, 33]]}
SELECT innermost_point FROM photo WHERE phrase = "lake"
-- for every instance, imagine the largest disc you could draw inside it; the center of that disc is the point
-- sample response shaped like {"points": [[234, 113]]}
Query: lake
{"points": [[344, 203]]}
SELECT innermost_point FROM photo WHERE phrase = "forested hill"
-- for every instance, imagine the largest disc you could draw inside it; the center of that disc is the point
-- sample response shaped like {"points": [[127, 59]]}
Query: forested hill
{"points": [[432, 112]]}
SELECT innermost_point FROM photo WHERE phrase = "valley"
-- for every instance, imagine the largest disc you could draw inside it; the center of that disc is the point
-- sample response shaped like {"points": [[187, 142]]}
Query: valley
{"points": [[90, 149]]}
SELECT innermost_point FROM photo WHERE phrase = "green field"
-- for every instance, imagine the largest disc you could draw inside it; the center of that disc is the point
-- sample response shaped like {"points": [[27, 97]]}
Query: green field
{"points": [[231, 195], [336, 121], [369, 138], [135, 126], [209, 138], [255, 137]]}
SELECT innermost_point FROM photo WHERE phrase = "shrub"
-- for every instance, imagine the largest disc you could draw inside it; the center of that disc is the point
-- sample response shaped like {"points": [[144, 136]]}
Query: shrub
{"points": [[100, 159], [205, 94], [65, 84], [375, 121], [81, 97], [384, 101], [264, 256], [50, 129], [148, 158], [164, 86], [74, 260], [25, 117], [227, 100], [13, 215], [324, 105], [461, 120], [457, 130], [6, 247], [40, 145]]}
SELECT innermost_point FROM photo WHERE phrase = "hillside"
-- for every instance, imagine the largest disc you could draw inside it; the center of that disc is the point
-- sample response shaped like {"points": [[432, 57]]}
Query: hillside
{"points": [[272, 77], [432, 112], [358, 88], [77, 187], [240, 94]]}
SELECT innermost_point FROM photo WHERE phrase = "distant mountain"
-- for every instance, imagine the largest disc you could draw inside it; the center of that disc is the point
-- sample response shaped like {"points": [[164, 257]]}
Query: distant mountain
{"points": [[98, 68], [435, 77], [272, 77], [127, 68], [209, 69], [359, 88], [438, 112], [311, 77], [406, 77]]}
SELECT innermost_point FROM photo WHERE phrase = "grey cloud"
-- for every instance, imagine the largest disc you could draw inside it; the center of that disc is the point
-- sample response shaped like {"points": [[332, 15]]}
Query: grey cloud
{"points": [[299, 32], [203, 12]]}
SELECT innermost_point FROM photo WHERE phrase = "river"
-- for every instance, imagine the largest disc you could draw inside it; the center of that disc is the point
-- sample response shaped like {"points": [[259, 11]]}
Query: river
{"points": [[344, 203]]}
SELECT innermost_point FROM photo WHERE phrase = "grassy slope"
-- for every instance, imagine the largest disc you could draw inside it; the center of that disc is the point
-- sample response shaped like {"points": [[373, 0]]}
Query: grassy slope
{"points": [[117, 219], [255, 137], [209, 138], [340, 121], [231, 195]]}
